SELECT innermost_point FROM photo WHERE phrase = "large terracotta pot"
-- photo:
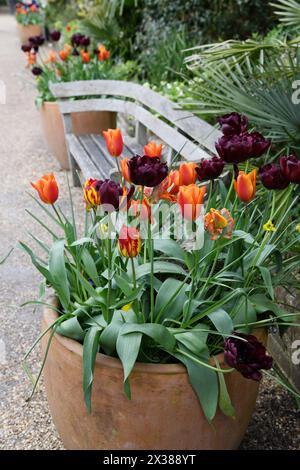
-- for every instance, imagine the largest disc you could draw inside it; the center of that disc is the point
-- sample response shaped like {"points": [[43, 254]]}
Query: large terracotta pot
{"points": [[164, 412], [25, 32], [91, 122]]}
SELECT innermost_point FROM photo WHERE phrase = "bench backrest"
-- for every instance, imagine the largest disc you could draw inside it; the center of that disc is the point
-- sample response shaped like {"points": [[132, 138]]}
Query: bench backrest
{"points": [[182, 131]]}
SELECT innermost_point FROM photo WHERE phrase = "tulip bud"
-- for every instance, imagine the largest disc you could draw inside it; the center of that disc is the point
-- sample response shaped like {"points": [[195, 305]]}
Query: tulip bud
{"points": [[36, 71], [245, 185], [47, 188], [248, 357], [290, 167], [210, 169], [124, 169], [272, 177], [85, 57], [187, 173], [114, 141], [55, 36], [190, 199], [129, 242], [152, 149], [233, 123], [110, 193], [91, 194], [103, 53]]}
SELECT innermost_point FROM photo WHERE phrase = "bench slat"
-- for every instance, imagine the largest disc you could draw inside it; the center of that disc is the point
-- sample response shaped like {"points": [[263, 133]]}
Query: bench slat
{"points": [[187, 122], [82, 158]]}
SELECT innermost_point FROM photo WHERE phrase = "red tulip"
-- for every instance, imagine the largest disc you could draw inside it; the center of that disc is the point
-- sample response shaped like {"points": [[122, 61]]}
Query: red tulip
{"points": [[47, 188], [114, 141]]}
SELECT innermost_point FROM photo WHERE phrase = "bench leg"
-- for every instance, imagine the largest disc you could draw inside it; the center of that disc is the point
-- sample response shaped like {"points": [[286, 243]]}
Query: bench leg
{"points": [[74, 170]]}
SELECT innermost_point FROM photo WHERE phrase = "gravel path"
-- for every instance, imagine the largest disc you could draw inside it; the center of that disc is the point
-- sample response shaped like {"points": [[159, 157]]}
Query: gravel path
{"points": [[23, 158]]}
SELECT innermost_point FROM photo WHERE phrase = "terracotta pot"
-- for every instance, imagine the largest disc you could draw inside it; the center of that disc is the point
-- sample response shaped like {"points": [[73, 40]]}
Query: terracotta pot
{"points": [[91, 122], [25, 32], [164, 412]]}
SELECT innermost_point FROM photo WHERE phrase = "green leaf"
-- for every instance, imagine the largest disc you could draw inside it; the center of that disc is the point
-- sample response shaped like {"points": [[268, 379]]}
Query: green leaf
{"points": [[57, 268], [159, 267], [90, 348], [266, 275], [71, 328], [110, 335], [222, 321], [247, 237], [170, 299], [224, 398], [90, 266], [128, 347], [159, 333], [204, 381], [262, 304], [194, 340], [170, 248]]}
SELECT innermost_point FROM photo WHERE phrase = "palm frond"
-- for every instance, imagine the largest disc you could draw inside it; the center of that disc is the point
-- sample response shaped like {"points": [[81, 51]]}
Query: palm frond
{"points": [[288, 12]]}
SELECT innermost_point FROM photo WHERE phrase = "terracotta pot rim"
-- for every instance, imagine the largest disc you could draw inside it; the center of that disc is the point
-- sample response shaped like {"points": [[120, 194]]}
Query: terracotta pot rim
{"points": [[50, 316]]}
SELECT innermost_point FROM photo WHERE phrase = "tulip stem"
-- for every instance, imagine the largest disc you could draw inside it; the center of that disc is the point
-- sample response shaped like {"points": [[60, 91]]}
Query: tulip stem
{"points": [[133, 273], [119, 170], [58, 215], [150, 244]]}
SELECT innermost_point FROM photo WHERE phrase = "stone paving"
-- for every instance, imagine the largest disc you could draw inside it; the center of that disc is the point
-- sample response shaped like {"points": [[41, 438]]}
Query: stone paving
{"points": [[24, 158]]}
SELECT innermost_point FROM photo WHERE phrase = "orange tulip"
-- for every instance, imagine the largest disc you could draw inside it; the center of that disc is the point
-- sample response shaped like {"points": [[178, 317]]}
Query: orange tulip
{"points": [[114, 141], [172, 181], [190, 199], [51, 57], [137, 210], [68, 48], [218, 223], [129, 242], [152, 149], [47, 188], [85, 57], [63, 55], [124, 169], [68, 28], [31, 58], [187, 173], [91, 194], [103, 53], [245, 185]]}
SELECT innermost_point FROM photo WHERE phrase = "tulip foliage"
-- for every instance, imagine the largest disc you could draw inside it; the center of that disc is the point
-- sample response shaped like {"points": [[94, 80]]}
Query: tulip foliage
{"points": [[161, 279]]}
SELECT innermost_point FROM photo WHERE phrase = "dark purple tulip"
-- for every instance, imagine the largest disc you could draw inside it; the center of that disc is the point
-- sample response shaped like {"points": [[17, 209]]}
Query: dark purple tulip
{"points": [[290, 167], [85, 41], [233, 123], [37, 71], [248, 357], [55, 35], [26, 47], [272, 177], [76, 38], [110, 193], [147, 171], [239, 148], [75, 52], [36, 40], [210, 169]]}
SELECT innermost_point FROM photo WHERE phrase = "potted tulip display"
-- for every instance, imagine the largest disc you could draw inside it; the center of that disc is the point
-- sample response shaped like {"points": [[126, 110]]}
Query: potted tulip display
{"points": [[79, 60], [156, 336], [29, 19]]}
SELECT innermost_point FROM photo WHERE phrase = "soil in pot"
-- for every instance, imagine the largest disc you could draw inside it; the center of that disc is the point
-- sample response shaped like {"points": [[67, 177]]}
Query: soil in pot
{"points": [[164, 412]]}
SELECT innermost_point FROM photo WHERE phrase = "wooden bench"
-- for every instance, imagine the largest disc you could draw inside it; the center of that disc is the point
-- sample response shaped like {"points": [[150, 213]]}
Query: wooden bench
{"points": [[182, 132]]}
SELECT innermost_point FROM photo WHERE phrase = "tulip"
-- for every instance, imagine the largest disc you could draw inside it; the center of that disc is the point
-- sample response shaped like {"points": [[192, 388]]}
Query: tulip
{"points": [[85, 57], [85, 41], [26, 47], [272, 177], [36, 40], [169, 187], [91, 194], [125, 169], [239, 148], [37, 71], [114, 141], [233, 123], [110, 193], [75, 52], [147, 171], [248, 357], [103, 53], [51, 57], [152, 149], [210, 169], [136, 209], [47, 188], [67, 49], [218, 223], [245, 185], [63, 55], [55, 35], [290, 167], [129, 242], [187, 173], [31, 58], [76, 39], [190, 199]]}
